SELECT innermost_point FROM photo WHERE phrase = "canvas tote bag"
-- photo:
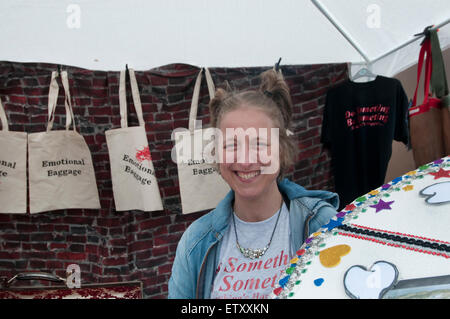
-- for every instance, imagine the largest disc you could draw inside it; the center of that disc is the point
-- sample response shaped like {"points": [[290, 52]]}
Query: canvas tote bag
{"points": [[61, 173], [132, 172], [439, 87], [13, 168], [425, 120], [201, 186]]}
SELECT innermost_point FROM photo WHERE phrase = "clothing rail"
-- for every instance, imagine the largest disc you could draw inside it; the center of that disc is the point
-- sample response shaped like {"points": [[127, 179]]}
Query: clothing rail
{"points": [[353, 42]]}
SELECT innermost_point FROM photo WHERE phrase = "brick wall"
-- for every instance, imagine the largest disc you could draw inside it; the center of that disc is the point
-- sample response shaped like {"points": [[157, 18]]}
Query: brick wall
{"points": [[112, 246]]}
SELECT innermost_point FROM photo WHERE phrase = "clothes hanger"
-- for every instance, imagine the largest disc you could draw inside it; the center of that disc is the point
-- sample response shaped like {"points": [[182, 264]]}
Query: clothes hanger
{"points": [[364, 72]]}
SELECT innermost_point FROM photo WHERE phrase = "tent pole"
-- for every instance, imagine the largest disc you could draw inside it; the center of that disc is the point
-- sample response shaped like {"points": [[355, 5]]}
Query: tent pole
{"points": [[408, 42], [339, 27]]}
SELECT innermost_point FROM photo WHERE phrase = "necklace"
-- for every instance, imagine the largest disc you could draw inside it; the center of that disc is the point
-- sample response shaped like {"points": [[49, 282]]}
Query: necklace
{"points": [[259, 252]]}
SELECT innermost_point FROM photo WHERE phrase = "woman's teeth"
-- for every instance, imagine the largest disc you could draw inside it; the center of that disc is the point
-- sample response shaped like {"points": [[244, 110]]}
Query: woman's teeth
{"points": [[248, 175]]}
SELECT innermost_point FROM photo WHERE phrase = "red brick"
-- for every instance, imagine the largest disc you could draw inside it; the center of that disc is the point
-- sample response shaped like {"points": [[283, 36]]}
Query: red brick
{"points": [[153, 223], [35, 91], [171, 191], [53, 264], [5, 218], [19, 118], [305, 144], [160, 251], [158, 80], [57, 246], [39, 247], [146, 254], [140, 245], [13, 90], [309, 153], [100, 83], [164, 240], [165, 269], [14, 108], [109, 222], [45, 228], [17, 99], [306, 107], [118, 242], [37, 264], [9, 255], [315, 122], [99, 93], [100, 111], [71, 256], [308, 134], [39, 255], [115, 261]]}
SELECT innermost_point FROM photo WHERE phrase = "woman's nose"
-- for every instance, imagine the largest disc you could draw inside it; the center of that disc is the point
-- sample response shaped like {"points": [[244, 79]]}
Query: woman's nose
{"points": [[246, 155]]}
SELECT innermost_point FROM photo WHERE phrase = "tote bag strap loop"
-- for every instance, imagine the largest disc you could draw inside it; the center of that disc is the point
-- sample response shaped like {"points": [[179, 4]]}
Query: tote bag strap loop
{"points": [[136, 97], [210, 83], [70, 118], [194, 102], [3, 118], [428, 69], [52, 99], [196, 95], [123, 98], [424, 49]]}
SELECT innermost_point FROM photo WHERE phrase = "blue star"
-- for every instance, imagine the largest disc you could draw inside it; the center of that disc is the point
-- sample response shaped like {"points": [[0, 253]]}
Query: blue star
{"points": [[334, 223]]}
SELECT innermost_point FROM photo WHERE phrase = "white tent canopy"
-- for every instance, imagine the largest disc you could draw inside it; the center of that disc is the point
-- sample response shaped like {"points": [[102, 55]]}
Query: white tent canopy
{"points": [[107, 34]]}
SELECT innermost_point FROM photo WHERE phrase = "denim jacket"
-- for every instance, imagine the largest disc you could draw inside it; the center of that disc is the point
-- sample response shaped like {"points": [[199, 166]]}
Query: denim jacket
{"points": [[197, 255]]}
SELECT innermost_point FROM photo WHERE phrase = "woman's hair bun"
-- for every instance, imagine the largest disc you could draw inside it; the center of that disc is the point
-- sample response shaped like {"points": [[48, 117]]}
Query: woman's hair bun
{"points": [[215, 104], [275, 87]]}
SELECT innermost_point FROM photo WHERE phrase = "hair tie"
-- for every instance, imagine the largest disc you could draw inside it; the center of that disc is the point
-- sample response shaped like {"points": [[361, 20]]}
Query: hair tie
{"points": [[268, 94]]}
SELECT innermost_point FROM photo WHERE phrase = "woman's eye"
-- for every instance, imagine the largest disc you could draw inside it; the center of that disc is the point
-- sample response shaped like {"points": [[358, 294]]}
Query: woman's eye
{"points": [[230, 147], [260, 146]]}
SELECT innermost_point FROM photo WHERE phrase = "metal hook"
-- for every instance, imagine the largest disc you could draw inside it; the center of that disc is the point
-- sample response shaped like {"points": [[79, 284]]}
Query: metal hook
{"points": [[277, 65], [425, 33]]}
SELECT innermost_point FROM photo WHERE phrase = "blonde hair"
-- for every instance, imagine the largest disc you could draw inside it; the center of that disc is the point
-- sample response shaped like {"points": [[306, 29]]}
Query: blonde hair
{"points": [[273, 97]]}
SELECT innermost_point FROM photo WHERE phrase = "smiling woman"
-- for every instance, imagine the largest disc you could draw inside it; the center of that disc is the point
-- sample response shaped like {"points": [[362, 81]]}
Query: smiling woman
{"points": [[264, 218]]}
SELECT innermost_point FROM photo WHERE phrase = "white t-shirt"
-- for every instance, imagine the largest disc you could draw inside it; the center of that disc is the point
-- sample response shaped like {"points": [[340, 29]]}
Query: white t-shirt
{"points": [[239, 277]]}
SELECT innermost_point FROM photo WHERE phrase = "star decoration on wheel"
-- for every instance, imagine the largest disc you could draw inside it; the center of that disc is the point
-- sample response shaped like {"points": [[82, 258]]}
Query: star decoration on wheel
{"points": [[441, 173], [333, 223], [408, 188], [381, 205]]}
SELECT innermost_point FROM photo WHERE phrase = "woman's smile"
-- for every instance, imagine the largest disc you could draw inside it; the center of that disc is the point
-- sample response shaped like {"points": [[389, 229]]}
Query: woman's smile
{"points": [[247, 176]]}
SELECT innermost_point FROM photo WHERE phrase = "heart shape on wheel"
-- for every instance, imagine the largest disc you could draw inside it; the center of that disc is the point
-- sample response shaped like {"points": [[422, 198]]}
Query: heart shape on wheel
{"points": [[372, 283], [331, 257], [437, 193]]}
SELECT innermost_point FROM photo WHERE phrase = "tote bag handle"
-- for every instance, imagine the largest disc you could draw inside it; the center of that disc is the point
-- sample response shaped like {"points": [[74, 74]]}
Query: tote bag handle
{"points": [[3, 118], [53, 98], [123, 98], [196, 94], [425, 49]]}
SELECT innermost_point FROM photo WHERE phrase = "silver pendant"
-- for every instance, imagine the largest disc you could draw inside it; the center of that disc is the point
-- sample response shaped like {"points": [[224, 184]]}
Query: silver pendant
{"points": [[252, 253]]}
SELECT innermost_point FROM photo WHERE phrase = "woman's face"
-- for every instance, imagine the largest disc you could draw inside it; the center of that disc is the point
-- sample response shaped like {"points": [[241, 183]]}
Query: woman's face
{"points": [[250, 154]]}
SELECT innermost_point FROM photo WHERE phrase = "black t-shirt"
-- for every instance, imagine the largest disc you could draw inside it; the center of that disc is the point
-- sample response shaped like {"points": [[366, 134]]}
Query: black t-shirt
{"points": [[359, 123]]}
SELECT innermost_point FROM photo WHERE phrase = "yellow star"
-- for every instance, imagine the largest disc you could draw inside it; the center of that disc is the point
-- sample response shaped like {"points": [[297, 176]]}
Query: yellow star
{"points": [[374, 192], [411, 173], [408, 188]]}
